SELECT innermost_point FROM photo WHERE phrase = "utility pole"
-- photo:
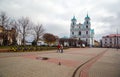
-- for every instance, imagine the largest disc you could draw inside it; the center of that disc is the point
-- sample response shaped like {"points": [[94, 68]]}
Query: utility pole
{"points": [[117, 39]]}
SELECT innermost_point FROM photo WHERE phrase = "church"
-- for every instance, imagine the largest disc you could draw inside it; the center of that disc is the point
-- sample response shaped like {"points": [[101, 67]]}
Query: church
{"points": [[82, 31]]}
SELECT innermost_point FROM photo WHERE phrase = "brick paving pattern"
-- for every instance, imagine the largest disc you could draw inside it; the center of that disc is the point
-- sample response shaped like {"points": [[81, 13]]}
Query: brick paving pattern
{"points": [[26, 64], [107, 66]]}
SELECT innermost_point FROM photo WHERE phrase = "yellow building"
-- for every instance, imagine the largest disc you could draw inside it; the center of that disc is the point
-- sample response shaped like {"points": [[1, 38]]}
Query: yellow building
{"points": [[7, 37], [96, 43]]}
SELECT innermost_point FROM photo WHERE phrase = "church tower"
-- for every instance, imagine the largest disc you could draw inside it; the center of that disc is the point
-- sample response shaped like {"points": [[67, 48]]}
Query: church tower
{"points": [[87, 23], [73, 21], [89, 32], [72, 27], [87, 27]]}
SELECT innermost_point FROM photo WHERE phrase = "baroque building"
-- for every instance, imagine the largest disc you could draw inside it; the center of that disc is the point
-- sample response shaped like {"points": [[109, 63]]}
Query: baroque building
{"points": [[82, 31], [7, 37]]}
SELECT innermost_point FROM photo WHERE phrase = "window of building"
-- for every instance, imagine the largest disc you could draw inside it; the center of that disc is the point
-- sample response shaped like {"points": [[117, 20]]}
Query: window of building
{"points": [[114, 41], [86, 26], [79, 32], [73, 23], [86, 32], [72, 33], [87, 22], [110, 39]]}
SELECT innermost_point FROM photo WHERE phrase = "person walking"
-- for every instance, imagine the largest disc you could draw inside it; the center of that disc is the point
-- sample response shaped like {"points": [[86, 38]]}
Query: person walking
{"points": [[61, 48], [58, 48]]}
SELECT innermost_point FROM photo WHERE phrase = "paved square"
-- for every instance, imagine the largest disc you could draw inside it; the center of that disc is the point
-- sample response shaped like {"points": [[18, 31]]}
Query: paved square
{"points": [[26, 64]]}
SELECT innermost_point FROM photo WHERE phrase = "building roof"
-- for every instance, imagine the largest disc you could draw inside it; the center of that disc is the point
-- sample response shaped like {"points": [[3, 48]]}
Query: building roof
{"points": [[73, 19], [87, 17], [112, 35], [92, 31]]}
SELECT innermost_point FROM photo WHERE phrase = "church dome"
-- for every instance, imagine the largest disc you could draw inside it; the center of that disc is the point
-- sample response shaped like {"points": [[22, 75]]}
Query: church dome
{"points": [[73, 19], [87, 17]]}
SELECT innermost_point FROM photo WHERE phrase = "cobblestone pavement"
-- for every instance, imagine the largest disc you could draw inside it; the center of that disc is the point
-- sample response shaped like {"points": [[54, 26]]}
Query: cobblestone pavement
{"points": [[107, 66], [30, 64]]}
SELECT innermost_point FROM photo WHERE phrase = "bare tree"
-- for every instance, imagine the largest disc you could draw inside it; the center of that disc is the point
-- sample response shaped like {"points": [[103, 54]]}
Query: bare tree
{"points": [[14, 24], [24, 25], [4, 20], [38, 32]]}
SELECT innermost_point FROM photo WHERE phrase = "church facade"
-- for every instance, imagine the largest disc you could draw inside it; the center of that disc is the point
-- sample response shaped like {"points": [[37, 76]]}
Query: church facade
{"points": [[82, 31]]}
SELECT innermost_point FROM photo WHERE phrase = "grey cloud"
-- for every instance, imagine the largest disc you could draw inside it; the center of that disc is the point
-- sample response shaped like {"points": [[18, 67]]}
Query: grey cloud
{"points": [[63, 10], [57, 29]]}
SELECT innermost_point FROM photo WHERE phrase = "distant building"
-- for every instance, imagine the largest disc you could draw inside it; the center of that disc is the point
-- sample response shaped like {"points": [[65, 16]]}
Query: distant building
{"points": [[112, 40], [70, 42], [19, 39], [7, 37], [96, 43], [82, 31]]}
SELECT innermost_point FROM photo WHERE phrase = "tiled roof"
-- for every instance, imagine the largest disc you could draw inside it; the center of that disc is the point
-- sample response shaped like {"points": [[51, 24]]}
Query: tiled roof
{"points": [[112, 35]]}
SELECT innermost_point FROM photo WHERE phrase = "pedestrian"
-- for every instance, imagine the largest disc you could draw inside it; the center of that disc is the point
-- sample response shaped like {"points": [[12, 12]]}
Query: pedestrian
{"points": [[61, 48], [58, 48]]}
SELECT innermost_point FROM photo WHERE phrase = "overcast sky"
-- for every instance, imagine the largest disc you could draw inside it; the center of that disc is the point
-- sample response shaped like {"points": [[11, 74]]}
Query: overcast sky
{"points": [[55, 15]]}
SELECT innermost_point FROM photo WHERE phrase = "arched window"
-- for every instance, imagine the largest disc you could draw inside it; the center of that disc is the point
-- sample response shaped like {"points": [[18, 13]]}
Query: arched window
{"points": [[86, 26], [87, 22], [86, 32], [72, 33], [73, 23], [79, 32]]}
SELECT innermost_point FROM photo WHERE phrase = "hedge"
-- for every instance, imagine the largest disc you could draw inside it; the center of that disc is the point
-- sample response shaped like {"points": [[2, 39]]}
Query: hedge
{"points": [[29, 48]]}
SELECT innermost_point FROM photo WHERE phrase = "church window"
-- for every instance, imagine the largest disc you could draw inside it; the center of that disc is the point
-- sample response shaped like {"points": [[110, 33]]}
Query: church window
{"points": [[72, 33], [79, 32], [73, 23], [86, 32], [87, 22], [86, 26]]}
